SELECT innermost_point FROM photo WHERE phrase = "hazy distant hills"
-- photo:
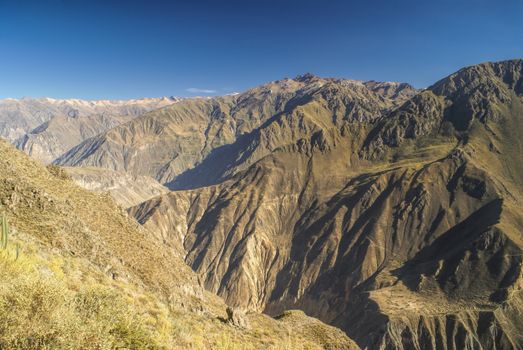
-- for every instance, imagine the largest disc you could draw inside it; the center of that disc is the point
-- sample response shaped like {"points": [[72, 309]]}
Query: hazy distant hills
{"points": [[391, 213], [127, 189], [45, 128]]}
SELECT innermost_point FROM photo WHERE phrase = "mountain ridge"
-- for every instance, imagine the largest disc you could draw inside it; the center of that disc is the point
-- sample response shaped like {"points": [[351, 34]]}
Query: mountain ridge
{"points": [[212, 123], [45, 128]]}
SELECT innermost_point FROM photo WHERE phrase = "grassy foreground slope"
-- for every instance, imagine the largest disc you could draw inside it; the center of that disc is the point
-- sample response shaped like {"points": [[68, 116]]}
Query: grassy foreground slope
{"points": [[87, 276]]}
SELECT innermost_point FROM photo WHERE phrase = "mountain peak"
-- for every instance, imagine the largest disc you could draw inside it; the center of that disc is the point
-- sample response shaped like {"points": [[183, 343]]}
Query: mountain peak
{"points": [[306, 78]]}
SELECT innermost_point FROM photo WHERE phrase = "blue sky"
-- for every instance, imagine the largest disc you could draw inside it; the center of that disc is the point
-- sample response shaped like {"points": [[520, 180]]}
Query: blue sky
{"points": [[97, 49]]}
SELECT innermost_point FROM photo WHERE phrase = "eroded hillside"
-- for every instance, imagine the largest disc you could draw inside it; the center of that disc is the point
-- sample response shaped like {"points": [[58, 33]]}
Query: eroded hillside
{"points": [[126, 189]]}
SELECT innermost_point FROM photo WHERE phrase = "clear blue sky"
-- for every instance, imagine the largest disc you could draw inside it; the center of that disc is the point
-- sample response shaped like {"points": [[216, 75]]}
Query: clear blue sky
{"points": [[128, 48]]}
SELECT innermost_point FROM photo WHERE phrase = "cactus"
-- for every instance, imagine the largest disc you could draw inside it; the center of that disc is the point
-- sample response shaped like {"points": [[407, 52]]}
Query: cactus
{"points": [[5, 232]]}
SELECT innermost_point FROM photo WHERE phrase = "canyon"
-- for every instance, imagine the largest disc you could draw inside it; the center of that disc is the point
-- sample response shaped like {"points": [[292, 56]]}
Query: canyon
{"points": [[391, 213]]}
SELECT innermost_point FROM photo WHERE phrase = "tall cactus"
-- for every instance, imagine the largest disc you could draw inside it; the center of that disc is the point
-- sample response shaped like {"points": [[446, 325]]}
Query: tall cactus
{"points": [[5, 232]]}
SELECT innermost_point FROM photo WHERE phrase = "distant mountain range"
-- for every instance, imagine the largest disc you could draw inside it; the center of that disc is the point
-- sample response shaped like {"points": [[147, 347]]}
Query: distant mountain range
{"points": [[45, 128], [168, 144]]}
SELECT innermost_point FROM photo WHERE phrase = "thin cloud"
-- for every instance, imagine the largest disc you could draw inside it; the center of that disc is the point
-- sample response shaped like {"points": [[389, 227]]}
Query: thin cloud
{"points": [[201, 91]]}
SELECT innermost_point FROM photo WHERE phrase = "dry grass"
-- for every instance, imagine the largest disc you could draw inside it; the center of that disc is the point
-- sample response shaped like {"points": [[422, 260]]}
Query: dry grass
{"points": [[40, 310]]}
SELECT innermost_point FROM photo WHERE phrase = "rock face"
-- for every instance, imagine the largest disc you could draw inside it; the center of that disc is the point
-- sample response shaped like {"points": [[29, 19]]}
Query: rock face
{"points": [[45, 128], [236, 317], [392, 216]]}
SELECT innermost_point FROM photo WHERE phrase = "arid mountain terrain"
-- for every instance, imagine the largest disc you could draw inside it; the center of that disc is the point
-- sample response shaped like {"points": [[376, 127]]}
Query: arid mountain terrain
{"points": [[391, 213], [403, 229]]}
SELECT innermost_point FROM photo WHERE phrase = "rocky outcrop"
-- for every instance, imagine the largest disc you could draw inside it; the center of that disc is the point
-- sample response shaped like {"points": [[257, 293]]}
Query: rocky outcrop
{"points": [[236, 317]]}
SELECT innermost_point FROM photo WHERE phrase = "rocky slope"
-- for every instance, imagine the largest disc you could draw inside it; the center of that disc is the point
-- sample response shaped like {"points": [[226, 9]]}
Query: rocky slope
{"points": [[78, 272], [394, 218], [45, 128]]}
